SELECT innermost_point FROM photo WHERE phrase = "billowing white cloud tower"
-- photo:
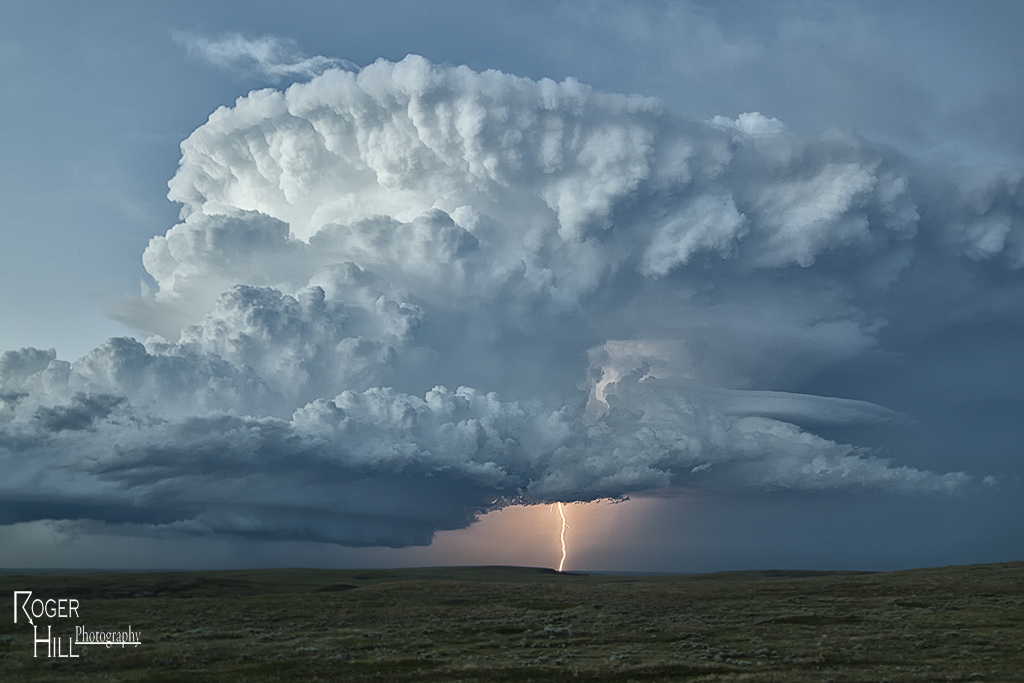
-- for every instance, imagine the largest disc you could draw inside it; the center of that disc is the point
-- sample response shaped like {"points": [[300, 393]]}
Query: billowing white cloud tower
{"points": [[403, 295]]}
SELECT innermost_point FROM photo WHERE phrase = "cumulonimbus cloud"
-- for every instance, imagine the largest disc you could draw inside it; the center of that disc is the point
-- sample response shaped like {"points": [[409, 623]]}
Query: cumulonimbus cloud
{"points": [[403, 295]]}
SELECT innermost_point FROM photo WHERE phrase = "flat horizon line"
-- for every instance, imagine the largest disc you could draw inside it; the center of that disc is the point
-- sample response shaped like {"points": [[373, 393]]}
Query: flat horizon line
{"points": [[39, 571]]}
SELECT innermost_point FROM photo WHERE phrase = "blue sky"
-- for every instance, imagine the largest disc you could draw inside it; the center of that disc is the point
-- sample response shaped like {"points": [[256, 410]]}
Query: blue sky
{"points": [[791, 337]]}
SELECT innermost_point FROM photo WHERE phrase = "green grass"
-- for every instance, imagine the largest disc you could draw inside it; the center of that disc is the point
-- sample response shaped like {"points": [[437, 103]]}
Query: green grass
{"points": [[522, 624]]}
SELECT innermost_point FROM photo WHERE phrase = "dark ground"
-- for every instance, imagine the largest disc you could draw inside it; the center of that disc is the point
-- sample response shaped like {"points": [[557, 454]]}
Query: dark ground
{"points": [[518, 624]]}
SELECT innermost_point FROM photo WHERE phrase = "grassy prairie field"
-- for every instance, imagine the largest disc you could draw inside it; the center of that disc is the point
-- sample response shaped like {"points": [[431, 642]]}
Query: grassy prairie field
{"points": [[501, 624]]}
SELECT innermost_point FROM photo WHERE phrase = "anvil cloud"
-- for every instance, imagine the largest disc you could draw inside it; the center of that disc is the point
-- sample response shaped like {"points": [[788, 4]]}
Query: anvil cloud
{"points": [[404, 295]]}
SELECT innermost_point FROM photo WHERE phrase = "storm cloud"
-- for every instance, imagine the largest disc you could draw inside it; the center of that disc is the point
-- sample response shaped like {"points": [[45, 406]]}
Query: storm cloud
{"points": [[402, 296]]}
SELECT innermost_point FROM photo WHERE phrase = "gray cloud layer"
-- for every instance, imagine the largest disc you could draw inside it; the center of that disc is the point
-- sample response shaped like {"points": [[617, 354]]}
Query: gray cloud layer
{"points": [[402, 296]]}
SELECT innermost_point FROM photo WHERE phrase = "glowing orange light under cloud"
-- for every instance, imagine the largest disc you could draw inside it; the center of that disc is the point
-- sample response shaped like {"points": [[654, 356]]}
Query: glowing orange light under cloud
{"points": [[531, 535]]}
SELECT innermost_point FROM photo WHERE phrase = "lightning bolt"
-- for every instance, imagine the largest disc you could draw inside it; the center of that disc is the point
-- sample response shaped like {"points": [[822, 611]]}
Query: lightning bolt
{"points": [[565, 526]]}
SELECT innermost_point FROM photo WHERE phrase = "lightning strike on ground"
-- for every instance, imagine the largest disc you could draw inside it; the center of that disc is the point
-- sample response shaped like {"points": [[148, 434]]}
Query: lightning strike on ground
{"points": [[561, 513]]}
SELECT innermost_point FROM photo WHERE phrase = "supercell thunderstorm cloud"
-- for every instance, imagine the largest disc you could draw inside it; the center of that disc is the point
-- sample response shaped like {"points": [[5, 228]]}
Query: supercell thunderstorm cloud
{"points": [[401, 296]]}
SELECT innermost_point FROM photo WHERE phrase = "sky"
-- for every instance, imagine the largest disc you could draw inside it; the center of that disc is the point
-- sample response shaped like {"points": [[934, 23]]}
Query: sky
{"points": [[338, 284]]}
